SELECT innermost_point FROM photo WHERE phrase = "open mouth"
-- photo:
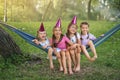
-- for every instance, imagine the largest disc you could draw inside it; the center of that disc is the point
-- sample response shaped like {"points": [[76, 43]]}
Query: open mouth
{"points": [[57, 34], [43, 36]]}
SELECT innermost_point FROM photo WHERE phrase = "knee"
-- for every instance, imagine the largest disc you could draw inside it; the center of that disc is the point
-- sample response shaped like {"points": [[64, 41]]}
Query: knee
{"points": [[77, 45], [78, 48], [90, 42], [58, 56], [62, 53], [68, 55], [82, 46], [50, 51], [74, 46]]}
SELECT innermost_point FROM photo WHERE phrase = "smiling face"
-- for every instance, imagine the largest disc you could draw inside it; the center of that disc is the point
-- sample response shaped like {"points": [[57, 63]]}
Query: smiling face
{"points": [[57, 31], [42, 35], [84, 29], [72, 29]]}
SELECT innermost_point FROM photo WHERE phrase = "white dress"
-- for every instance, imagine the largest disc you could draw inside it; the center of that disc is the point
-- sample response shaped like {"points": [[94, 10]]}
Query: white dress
{"points": [[74, 38], [45, 43]]}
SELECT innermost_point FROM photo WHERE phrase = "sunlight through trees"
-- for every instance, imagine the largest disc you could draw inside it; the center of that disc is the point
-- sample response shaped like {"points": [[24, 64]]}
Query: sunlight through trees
{"points": [[43, 10]]}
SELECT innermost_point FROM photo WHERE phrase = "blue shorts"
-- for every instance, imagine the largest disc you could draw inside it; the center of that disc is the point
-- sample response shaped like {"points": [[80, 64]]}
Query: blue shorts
{"points": [[46, 49]]}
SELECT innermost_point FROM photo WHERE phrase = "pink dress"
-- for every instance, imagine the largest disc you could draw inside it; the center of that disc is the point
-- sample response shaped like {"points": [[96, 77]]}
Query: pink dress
{"points": [[62, 45]]}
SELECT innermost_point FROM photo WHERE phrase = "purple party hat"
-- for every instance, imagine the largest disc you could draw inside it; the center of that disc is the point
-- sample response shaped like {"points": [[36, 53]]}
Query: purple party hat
{"points": [[74, 20], [58, 24], [41, 29]]}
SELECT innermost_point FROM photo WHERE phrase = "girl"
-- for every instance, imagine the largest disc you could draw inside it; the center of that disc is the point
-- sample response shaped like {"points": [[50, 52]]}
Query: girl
{"points": [[75, 38], [86, 40], [44, 42], [59, 42]]}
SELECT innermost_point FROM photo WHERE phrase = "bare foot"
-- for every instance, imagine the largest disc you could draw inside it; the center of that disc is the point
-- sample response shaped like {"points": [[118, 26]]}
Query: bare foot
{"points": [[95, 57], [92, 59], [65, 72], [77, 69], [51, 67], [74, 68], [61, 69], [70, 72]]}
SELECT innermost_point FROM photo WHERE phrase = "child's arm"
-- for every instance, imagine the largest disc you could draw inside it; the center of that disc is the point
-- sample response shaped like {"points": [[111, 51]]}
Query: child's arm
{"points": [[45, 46], [36, 41], [70, 44], [79, 41], [50, 40]]}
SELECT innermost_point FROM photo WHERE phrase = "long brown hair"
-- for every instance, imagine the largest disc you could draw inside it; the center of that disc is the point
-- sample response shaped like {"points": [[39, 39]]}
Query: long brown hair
{"points": [[54, 44], [68, 32]]}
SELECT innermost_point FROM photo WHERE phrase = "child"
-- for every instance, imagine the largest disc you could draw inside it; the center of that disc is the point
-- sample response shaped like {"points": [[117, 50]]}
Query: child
{"points": [[86, 40], [74, 36], [44, 42], [59, 42]]}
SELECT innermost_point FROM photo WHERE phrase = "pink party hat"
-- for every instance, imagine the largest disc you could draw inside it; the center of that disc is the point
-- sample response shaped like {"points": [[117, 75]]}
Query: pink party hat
{"points": [[74, 20], [41, 29], [58, 24]]}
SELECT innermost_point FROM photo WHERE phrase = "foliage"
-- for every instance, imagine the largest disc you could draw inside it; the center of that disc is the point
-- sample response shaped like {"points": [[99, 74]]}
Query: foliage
{"points": [[115, 4], [50, 10]]}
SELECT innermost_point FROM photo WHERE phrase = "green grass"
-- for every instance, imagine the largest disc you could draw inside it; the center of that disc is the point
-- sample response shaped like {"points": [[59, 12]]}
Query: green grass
{"points": [[106, 67]]}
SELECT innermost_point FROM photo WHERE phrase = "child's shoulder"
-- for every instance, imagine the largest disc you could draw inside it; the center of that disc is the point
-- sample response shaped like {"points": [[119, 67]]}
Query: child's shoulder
{"points": [[64, 37], [92, 36]]}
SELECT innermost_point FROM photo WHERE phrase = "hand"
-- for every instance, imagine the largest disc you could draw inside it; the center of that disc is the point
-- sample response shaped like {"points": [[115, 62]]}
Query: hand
{"points": [[54, 49], [95, 57], [72, 47], [36, 41], [45, 46], [102, 35]]}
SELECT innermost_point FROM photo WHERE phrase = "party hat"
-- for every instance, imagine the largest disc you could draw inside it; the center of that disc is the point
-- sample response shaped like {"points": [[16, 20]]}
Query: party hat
{"points": [[58, 24], [41, 29], [74, 20]]}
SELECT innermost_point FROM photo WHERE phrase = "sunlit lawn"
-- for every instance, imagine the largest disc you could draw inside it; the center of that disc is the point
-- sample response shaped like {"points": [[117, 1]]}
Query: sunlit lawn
{"points": [[106, 67]]}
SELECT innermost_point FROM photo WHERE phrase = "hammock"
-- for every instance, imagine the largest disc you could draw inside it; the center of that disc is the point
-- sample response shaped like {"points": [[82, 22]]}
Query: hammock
{"points": [[29, 37]]}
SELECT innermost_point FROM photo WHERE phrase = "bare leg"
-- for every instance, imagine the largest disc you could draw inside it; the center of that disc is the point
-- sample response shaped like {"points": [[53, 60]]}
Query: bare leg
{"points": [[64, 61], [86, 53], [72, 54], [90, 43], [78, 58], [69, 62], [59, 60], [50, 51]]}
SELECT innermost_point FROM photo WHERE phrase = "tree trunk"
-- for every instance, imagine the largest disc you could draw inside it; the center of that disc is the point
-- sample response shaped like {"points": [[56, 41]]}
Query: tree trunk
{"points": [[46, 11], [11, 9], [89, 9], [5, 10], [7, 44]]}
